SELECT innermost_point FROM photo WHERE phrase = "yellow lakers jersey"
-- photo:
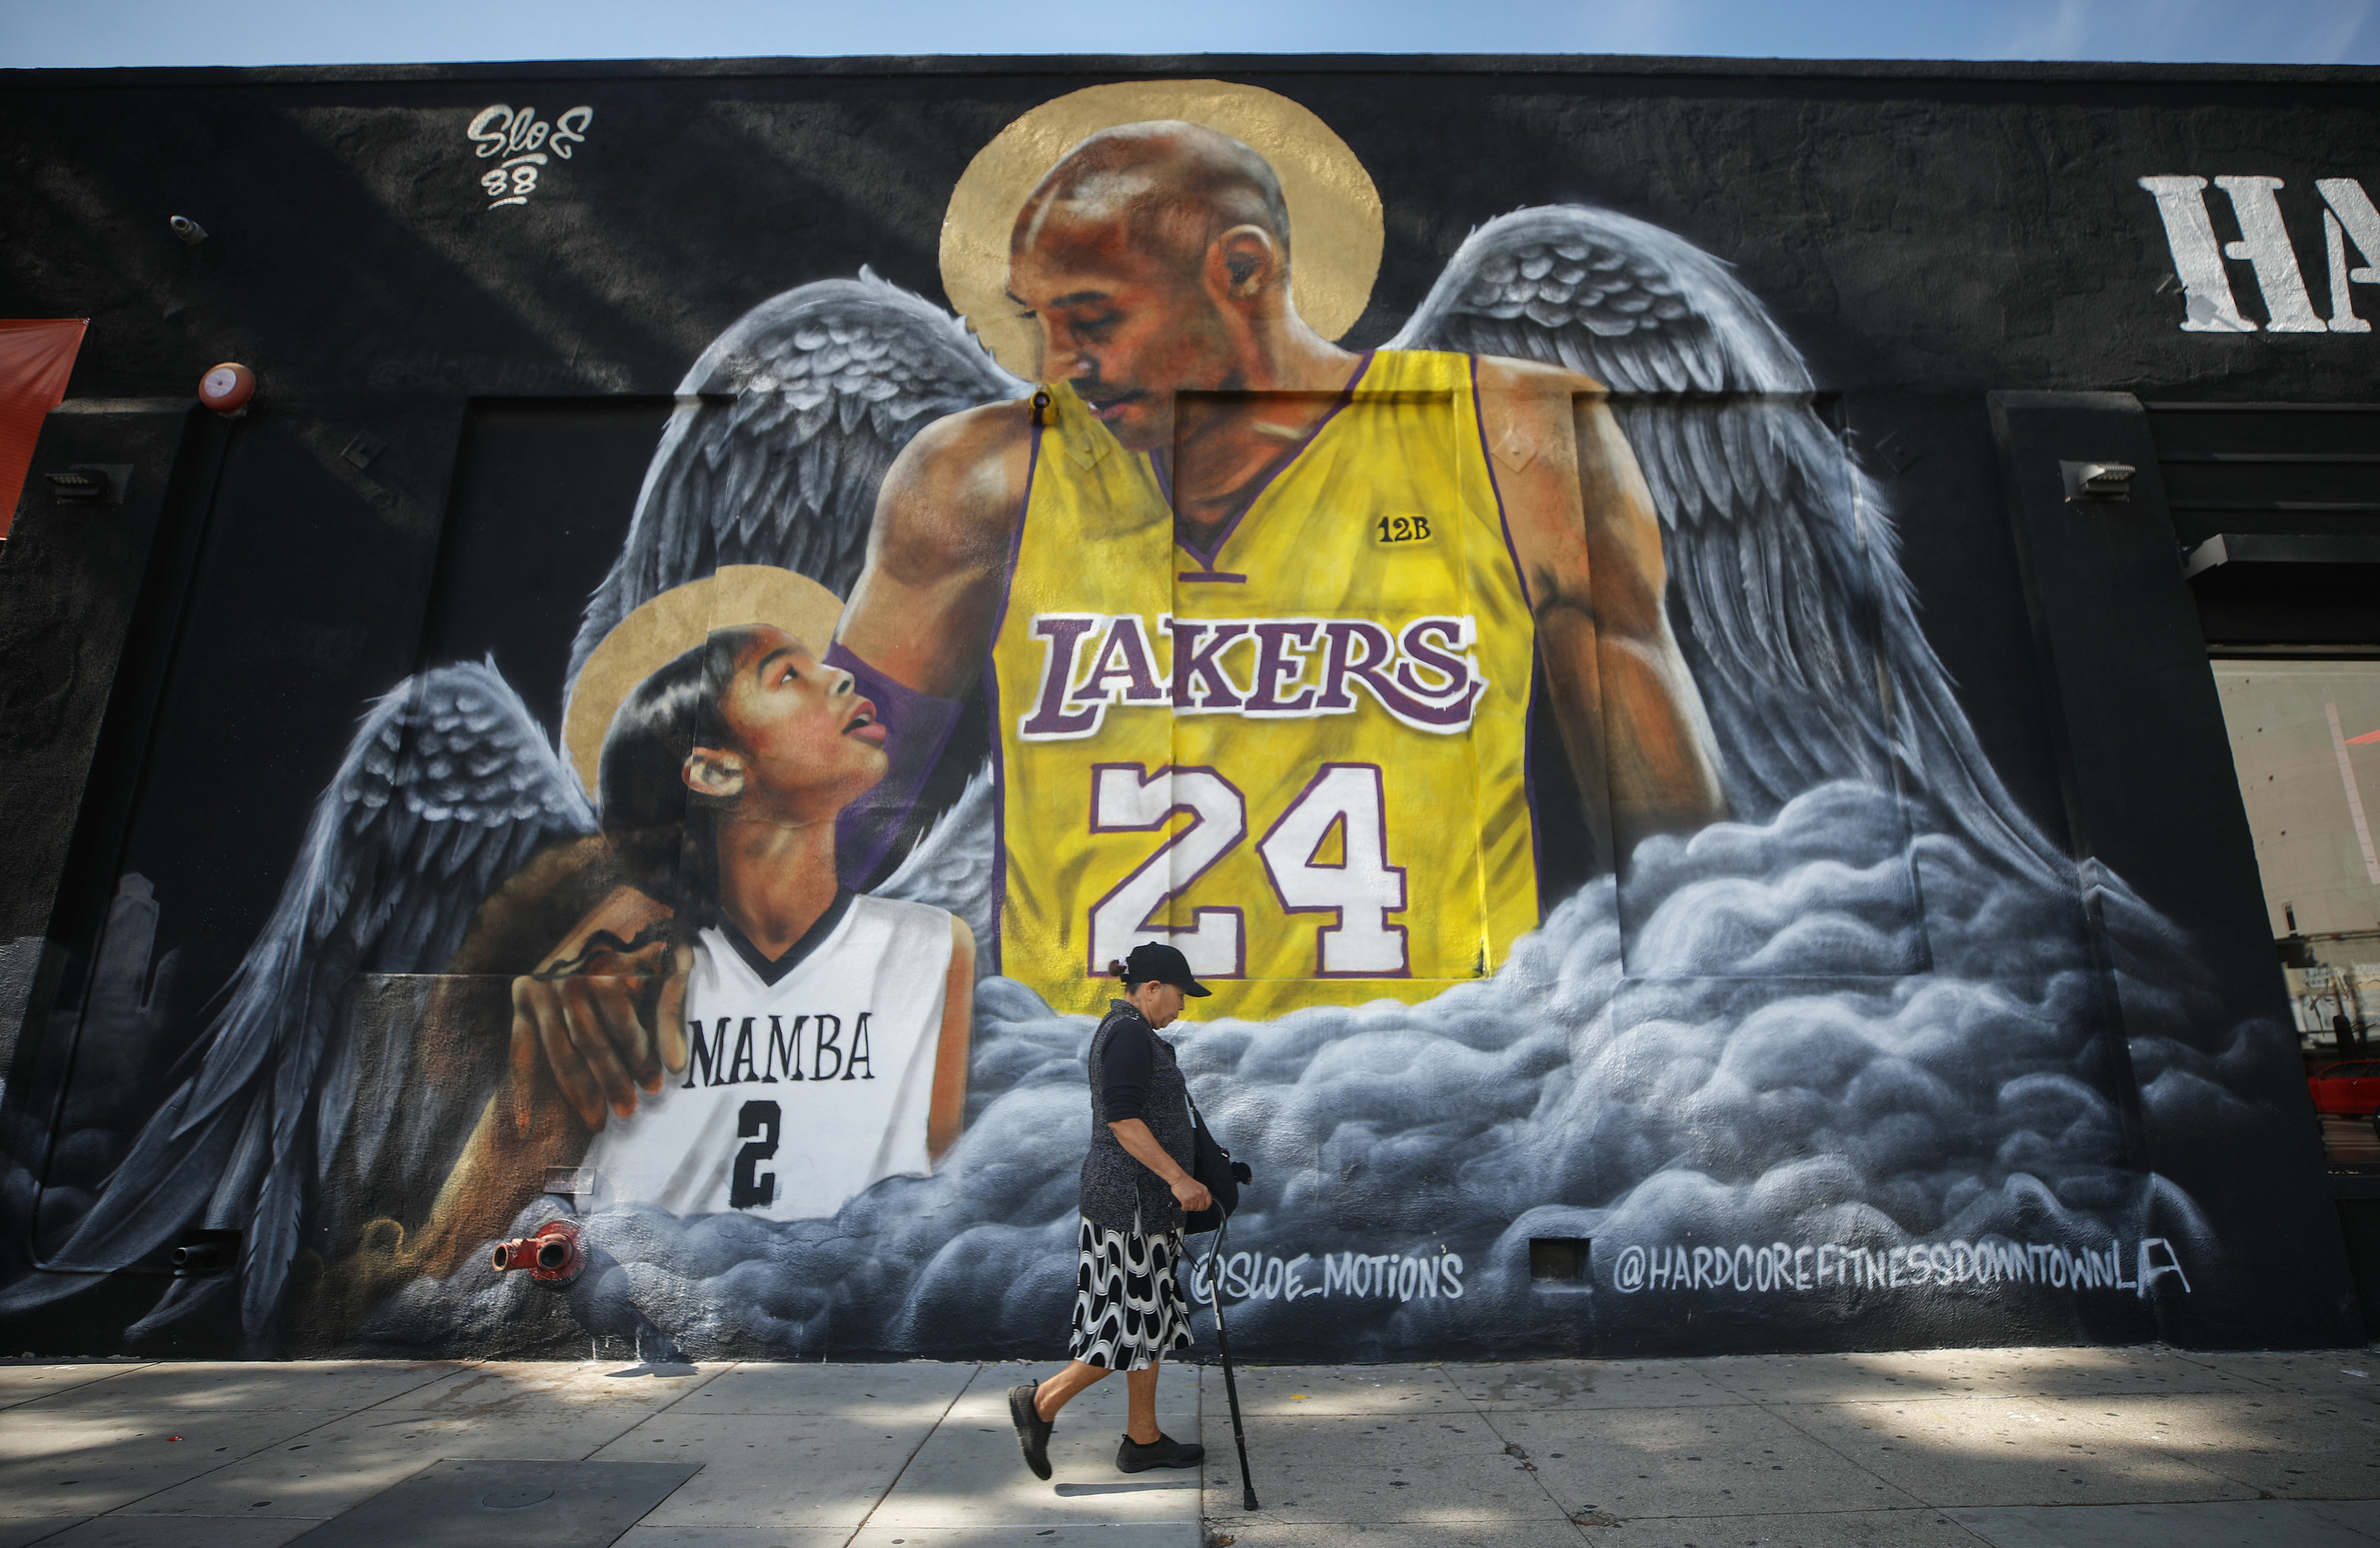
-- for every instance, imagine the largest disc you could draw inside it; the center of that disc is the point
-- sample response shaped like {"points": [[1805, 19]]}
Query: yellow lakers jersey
{"points": [[1299, 757]]}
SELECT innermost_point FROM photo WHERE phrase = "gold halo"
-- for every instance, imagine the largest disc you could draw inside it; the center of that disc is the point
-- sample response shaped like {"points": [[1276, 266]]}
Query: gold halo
{"points": [[1334, 211], [675, 622]]}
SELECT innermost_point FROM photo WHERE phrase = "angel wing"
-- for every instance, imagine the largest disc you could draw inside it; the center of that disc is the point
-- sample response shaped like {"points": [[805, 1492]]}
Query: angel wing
{"points": [[951, 865], [783, 431], [1785, 585], [448, 788]]}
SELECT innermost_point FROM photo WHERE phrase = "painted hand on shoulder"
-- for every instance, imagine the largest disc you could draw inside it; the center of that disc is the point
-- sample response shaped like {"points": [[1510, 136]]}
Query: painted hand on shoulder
{"points": [[603, 1015]]}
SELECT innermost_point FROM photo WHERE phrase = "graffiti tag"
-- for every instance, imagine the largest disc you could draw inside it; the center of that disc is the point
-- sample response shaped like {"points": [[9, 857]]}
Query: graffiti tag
{"points": [[1779, 1266], [523, 141], [1365, 1276]]}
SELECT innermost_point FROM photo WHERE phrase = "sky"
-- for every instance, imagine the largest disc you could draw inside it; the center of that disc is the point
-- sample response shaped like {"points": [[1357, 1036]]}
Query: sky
{"points": [[121, 32]]}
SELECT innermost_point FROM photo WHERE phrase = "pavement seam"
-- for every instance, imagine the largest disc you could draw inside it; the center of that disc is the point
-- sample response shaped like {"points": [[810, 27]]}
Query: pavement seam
{"points": [[642, 1418], [453, 1369], [1487, 1419], [2268, 1384], [903, 1470], [110, 1371], [127, 1507], [724, 1367], [427, 1381], [2188, 1357], [130, 1507], [1824, 1444]]}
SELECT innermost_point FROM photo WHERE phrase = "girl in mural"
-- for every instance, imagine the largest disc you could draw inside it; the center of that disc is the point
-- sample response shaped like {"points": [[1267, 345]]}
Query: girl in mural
{"points": [[809, 1042], [1129, 1313]]}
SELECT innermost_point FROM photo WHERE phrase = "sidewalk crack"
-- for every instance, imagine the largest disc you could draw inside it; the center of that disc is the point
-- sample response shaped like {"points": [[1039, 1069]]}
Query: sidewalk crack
{"points": [[108, 1375], [1510, 1446], [901, 1471]]}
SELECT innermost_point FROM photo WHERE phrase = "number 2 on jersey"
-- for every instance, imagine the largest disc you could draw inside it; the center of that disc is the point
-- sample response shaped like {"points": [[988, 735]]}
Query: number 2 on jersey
{"points": [[749, 1187], [1361, 888]]}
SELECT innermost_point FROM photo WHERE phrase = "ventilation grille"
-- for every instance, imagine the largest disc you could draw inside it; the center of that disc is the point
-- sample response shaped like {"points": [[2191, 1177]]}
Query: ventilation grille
{"points": [[2268, 466], [2248, 471]]}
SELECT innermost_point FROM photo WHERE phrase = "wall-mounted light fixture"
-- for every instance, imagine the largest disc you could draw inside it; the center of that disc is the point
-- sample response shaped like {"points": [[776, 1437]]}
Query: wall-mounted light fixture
{"points": [[2103, 482], [89, 483], [190, 231]]}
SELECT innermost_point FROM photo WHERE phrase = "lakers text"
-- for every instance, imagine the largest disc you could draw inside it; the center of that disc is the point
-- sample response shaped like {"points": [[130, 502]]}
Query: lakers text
{"points": [[1423, 674]]}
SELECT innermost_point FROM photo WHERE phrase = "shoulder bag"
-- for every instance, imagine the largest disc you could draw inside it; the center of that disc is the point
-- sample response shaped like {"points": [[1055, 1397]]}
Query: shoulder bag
{"points": [[1213, 1166]]}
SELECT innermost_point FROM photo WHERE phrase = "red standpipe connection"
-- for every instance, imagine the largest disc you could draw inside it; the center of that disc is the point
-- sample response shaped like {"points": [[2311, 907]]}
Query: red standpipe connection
{"points": [[554, 1256]]}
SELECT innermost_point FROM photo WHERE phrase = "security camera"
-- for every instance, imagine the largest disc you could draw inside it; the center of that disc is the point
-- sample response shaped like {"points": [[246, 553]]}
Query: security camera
{"points": [[190, 231]]}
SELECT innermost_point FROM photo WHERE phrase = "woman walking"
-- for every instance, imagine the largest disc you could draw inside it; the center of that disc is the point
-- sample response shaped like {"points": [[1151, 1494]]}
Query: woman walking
{"points": [[1129, 1314]]}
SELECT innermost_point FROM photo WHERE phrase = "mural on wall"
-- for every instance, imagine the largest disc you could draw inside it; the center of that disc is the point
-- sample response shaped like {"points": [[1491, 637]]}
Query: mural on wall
{"points": [[1525, 725]]}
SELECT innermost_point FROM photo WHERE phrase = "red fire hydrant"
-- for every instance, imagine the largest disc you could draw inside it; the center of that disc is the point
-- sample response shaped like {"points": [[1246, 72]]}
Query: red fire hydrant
{"points": [[554, 1256]]}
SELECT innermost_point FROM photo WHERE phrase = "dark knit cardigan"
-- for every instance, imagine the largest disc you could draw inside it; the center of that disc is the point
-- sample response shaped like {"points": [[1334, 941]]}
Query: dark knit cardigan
{"points": [[1114, 1183]]}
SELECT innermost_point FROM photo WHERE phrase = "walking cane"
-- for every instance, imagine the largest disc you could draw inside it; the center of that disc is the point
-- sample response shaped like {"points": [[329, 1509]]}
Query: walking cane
{"points": [[1231, 1388]]}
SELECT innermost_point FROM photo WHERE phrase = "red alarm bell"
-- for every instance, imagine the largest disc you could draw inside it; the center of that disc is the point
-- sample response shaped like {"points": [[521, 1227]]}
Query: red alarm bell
{"points": [[227, 387]]}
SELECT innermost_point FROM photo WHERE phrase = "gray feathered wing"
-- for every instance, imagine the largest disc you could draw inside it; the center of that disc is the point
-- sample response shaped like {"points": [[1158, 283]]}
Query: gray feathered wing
{"points": [[783, 431], [447, 789], [1785, 586], [951, 865]]}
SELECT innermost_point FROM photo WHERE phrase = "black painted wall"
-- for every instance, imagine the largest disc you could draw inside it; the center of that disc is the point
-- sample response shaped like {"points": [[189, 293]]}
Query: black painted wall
{"points": [[1925, 235]]}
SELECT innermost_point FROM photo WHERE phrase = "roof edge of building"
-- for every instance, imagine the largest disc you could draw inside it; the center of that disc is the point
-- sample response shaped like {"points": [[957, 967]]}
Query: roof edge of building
{"points": [[1609, 65]]}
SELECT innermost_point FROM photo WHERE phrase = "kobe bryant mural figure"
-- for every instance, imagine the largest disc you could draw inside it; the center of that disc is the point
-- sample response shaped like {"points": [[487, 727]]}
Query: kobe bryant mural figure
{"points": [[1217, 564], [1180, 622]]}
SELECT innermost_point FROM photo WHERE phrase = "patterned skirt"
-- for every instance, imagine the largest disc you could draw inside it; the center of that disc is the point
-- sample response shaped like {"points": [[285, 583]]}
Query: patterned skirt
{"points": [[1129, 1313]]}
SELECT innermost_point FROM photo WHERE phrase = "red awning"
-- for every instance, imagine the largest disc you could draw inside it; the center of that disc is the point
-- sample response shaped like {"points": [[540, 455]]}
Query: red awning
{"points": [[35, 358]]}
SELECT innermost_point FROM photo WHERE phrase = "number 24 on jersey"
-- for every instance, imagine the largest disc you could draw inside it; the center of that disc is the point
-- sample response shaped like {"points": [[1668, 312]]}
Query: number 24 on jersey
{"points": [[1361, 890]]}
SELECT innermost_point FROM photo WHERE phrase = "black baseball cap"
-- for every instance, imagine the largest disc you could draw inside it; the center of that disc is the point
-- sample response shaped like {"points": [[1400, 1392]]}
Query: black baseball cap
{"points": [[1153, 962]]}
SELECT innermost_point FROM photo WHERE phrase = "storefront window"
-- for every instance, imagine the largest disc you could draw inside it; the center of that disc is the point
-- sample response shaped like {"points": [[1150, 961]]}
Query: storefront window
{"points": [[2305, 739]]}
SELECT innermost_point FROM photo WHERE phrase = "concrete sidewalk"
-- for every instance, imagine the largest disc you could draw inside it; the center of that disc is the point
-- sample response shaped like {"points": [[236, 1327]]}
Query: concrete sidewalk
{"points": [[250, 1455], [2020, 1449]]}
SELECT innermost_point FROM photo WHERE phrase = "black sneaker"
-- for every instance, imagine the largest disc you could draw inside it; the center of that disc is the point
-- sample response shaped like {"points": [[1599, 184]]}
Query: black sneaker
{"points": [[1164, 1452], [1032, 1430]]}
